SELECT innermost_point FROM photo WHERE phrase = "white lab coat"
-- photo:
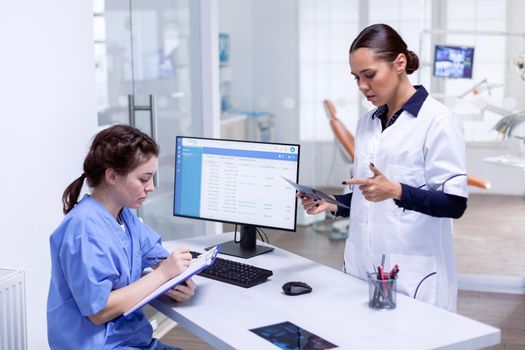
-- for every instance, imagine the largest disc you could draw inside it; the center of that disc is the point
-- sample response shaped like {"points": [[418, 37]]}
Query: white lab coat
{"points": [[422, 151]]}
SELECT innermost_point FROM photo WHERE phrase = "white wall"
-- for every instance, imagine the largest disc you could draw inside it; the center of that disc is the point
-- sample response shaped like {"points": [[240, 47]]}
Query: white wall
{"points": [[47, 93]]}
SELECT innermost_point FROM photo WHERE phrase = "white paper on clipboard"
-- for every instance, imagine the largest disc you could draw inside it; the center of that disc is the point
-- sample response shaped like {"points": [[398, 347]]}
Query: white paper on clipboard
{"points": [[315, 194], [197, 265]]}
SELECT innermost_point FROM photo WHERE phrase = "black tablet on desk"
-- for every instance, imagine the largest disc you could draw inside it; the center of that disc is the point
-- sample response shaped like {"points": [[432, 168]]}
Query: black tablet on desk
{"points": [[289, 336]]}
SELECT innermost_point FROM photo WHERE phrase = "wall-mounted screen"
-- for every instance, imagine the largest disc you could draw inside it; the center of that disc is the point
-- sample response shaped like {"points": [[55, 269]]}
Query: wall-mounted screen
{"points": [[453, 61]]}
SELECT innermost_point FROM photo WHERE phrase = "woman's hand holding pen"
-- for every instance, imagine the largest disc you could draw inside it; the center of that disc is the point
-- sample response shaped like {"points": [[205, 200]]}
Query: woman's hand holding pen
{"points": [[378, 187], [314, 206], [176, 263]]}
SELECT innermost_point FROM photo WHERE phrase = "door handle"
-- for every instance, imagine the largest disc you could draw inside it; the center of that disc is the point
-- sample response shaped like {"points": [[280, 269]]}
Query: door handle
{"points": [[152, 109]]}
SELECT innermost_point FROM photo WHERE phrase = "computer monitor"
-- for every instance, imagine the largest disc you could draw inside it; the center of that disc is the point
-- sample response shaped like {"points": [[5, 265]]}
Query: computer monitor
{"points": [[238, 182], [453, 61]]}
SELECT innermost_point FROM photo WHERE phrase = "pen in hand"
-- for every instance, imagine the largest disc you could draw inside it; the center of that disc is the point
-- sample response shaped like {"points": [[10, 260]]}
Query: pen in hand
{"points": [[157, 258]]}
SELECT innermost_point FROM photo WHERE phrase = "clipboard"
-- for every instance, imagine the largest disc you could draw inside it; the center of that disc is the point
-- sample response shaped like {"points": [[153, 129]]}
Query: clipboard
{"points": [[315, 194], [202, 262]]}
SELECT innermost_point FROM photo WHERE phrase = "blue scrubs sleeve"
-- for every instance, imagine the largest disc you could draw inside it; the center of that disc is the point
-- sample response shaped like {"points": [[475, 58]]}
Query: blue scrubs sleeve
{"points": [[89, 268], [150, 242], [152, 248]]}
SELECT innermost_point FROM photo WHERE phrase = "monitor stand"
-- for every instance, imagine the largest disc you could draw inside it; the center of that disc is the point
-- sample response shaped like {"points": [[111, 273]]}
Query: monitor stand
{"points": [[246, 247]]}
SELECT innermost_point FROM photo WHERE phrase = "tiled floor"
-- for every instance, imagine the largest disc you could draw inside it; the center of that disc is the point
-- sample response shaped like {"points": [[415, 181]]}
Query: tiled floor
{"points": [[490, 239]]}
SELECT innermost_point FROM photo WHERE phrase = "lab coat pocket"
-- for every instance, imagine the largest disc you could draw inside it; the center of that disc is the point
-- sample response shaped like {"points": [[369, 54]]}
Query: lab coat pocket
{"points": [[350, 259], [411, 176], [414, 271]]}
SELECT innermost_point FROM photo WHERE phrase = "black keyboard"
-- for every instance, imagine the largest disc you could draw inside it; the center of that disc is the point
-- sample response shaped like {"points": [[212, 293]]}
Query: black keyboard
{"points": [[233, 272]]}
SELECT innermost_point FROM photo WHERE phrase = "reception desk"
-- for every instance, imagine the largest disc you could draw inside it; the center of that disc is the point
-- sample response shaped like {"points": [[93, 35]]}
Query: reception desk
{"points": [[336, 310]]}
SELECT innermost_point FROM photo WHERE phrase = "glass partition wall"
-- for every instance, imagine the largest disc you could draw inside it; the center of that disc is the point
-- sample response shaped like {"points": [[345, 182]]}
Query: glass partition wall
{"points": [[143, 77]]}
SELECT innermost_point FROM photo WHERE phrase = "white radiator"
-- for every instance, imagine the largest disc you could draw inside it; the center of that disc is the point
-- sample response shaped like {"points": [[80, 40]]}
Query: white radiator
{"points": [[12, 310]]}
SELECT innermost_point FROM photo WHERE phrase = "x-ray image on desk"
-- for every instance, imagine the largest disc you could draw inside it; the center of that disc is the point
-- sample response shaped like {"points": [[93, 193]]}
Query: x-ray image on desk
{"points": [[289, 336]]}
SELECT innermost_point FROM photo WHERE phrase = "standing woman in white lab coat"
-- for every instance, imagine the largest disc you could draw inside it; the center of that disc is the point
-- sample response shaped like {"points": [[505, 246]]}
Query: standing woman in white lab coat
{"points": [[409, 175]]}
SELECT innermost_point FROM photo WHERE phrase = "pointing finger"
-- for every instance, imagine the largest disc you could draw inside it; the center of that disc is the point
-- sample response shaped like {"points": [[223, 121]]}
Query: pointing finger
{"points": [[356, 182]]}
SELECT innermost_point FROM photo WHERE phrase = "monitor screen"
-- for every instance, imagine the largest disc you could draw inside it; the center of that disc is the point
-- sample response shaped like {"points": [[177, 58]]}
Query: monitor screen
{"points": [[239, 182], [453, 61]]}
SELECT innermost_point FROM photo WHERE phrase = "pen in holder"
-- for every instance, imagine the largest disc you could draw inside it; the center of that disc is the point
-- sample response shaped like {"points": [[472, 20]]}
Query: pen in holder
{"points": [[381, 292]]}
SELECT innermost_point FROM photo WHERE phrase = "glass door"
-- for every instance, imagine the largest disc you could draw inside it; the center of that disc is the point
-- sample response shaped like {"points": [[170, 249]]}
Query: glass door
{"points": [[142, 58]]}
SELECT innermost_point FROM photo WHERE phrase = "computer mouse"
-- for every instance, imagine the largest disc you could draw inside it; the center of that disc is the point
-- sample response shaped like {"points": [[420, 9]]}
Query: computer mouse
{"points": [[296, 288]]}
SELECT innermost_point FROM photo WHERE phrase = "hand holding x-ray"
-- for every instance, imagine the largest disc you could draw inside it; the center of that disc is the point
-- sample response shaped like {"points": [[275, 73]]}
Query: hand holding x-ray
{"points": [[315, 194]]}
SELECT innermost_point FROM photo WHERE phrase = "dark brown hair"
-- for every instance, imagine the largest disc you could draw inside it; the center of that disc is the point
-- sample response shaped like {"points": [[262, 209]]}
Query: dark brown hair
{"points": [[119, 147], [387, 44]]}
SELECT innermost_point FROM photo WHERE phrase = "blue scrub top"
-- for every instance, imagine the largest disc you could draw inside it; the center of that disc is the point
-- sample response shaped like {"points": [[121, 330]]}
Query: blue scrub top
{"points": [[93, 255]]}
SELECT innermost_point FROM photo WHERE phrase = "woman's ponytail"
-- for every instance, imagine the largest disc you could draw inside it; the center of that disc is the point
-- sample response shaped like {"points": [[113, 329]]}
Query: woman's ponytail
{"points": [[412, 62], [71, 193]]}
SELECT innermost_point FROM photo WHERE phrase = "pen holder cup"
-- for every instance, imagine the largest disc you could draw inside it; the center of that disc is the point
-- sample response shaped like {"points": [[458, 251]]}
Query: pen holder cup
{"points": [[381, 293]]}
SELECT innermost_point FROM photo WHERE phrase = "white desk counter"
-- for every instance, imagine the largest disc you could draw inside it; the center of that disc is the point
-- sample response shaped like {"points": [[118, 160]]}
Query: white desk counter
{"points": [[336, 310]]}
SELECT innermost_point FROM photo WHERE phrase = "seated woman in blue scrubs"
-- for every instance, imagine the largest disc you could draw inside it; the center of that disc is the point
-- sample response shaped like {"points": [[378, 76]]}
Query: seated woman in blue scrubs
{"points": [[101, 248]]}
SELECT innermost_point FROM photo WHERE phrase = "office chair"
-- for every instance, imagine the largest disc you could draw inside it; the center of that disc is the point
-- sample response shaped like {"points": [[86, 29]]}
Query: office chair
{"points": [[346, 139]]}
